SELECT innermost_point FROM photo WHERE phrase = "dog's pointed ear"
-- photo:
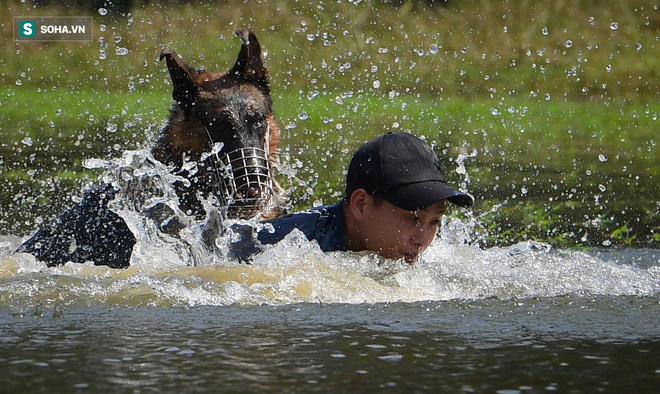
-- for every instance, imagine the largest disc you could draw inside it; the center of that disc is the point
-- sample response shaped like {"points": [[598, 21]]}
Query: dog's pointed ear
{"points": [[250, 64], [184, 77]]}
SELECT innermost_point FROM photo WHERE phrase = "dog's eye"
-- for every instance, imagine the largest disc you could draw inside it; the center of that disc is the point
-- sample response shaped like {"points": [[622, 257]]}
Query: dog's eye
{"points": [[259, 124], [258, 121]]}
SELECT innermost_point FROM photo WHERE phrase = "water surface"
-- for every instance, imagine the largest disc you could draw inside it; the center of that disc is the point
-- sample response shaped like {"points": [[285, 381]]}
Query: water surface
{"points": [[525, 318], [569, 343]]}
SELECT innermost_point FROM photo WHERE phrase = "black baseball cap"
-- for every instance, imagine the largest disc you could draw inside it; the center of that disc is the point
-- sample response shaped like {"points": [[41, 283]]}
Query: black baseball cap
{"points": [[404, 170]]}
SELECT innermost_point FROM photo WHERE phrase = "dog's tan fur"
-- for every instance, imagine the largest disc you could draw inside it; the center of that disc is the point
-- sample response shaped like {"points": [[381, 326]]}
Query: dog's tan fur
{"points": [[217, 106]]}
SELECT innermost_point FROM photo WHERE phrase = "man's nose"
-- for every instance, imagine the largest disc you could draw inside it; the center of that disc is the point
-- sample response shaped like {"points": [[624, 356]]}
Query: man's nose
{"points": [[424, 235]]}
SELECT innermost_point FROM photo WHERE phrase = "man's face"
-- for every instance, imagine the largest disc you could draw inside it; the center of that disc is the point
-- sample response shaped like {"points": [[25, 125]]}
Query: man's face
{"points": [[396, 233]]}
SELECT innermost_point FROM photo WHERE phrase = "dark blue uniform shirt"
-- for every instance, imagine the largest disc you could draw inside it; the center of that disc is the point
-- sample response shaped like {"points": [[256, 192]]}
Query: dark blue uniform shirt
{"points": [[325, 224], [90, 231]]}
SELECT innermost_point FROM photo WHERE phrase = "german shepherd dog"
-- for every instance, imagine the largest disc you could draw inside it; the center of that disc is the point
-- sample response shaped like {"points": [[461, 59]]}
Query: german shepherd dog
{"points": [[234, 109], [223, 123]]}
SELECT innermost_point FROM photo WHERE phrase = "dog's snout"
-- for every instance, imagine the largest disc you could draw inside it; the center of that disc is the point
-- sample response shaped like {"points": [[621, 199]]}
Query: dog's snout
{"points": [[247, 184], [253, 192], [247, 192]]}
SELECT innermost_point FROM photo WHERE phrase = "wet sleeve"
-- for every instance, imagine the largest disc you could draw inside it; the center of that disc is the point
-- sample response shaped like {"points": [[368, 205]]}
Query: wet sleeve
{"points": [[243, 243], [275, 230], [89, 231]]}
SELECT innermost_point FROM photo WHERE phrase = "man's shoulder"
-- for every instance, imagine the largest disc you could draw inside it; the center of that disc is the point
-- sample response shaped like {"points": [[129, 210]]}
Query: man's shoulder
{"points": [[310, 215], [316, 223]]}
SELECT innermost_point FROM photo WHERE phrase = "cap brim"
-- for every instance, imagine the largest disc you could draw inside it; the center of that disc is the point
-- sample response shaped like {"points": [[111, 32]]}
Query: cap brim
{"points": [[424, 194]]}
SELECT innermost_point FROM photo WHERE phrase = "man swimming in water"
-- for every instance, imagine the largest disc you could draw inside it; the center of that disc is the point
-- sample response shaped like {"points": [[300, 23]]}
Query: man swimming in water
{"points": [[394, 201]]}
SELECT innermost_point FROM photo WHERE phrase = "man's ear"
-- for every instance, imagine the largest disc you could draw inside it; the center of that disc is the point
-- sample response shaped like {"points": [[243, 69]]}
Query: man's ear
{"points": [[358, 203]]}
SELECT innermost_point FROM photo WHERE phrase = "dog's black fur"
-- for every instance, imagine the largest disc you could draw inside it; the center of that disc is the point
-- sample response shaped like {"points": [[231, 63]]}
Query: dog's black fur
{"points": [[233, 108]]}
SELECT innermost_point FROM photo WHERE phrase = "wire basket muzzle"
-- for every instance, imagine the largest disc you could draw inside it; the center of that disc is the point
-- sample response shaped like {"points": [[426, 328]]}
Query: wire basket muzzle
{"points": [[243, 181]]}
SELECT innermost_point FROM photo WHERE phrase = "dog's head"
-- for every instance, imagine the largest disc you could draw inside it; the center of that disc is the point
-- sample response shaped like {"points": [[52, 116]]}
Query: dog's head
{"points": [[225, 123]]}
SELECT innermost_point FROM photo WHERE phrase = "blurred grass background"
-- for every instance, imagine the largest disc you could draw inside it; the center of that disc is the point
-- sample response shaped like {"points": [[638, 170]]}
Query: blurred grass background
{"points": [[551, 106]]}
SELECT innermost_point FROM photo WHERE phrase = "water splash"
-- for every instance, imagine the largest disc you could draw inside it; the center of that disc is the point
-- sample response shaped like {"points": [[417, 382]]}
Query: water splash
{"points": [[461, 170], [297, 271], [175, 268]]}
